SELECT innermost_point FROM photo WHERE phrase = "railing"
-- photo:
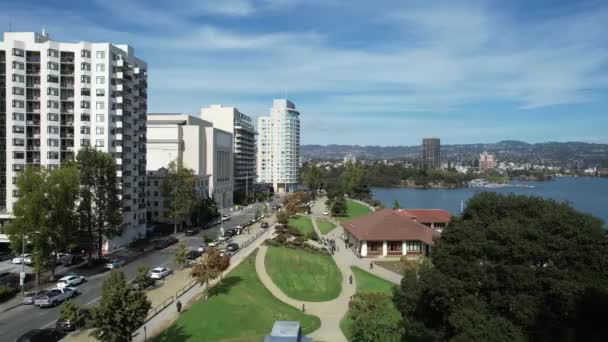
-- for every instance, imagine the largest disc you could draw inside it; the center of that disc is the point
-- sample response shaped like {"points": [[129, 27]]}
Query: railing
{"points": [[160, 307], [185, 289]]}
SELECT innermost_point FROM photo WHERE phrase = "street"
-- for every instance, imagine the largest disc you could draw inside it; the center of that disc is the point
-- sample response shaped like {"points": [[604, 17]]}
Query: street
{"points": [[20, 319]]}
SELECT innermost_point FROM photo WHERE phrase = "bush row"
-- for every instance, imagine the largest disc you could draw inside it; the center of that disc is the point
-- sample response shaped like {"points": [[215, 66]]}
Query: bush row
{"points": [[7, 293]]}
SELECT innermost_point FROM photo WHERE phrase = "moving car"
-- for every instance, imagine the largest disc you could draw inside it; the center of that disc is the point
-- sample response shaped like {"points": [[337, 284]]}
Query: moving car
{"points": [[193, 254], [264, 224], [54, 297], [232, 247], [21, 259], [201, 249], [114, 264], [231, 232], [41, 335], [214, 243], [191, 231], [30, 297], [226, 217], [66, 325], [70, 280], [160, 273]]}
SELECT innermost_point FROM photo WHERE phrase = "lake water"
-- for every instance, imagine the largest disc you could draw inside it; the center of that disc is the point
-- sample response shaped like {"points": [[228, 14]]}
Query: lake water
{"points": [[586, 194]]}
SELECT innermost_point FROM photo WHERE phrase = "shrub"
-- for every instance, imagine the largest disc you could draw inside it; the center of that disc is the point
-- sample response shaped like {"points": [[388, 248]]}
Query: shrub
{"points": [[7, 293]]}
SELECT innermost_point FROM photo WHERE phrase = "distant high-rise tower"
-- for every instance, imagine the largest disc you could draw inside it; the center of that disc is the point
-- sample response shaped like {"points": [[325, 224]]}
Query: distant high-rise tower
{"points": [[431, 155], [279, 146], [486, 162]]}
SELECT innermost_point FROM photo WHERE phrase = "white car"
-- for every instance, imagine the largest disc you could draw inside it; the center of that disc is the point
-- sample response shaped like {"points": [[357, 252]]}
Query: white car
{"points": [[71, 280], [160, 273], [22, 258], [226, 217], [214, 243], [55, 297], [326, 212]]}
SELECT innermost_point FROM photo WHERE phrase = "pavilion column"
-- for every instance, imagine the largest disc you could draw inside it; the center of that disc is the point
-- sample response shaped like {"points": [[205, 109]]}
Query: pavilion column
{"points": [[384, 248], [404, 248], [363, 248]]}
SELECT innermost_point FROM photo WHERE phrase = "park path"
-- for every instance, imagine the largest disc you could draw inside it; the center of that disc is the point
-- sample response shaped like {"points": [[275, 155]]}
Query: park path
{"points": [[330, 312]]}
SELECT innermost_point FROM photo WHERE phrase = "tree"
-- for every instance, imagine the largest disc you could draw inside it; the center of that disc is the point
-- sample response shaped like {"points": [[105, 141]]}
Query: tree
{"points": [[45, 214], [181, 256], [204, 211], [207, 269], [314, 179], [142, 278], [355, 182], [512, 268], [70, 311], [121, 311], [179, 189], [99, 208], [283, 218], [396, 205], [372, 318], [339, 206]]}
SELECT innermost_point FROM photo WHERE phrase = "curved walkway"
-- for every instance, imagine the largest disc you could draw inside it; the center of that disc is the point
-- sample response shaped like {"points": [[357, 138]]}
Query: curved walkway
{"points": [[330, 313]]}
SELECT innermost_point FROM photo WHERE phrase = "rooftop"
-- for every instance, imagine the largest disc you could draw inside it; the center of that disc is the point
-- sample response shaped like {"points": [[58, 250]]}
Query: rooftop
{"points": [[389, 225]]}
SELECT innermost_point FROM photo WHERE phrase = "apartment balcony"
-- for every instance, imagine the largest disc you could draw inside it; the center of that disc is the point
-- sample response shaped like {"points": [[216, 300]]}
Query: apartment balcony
{"points": [[120, 63], [119, 87], [120, 75], [33, 136], [67, 60], [33, 98], [68, 123], [67, 86], [67, 111], [32, 85], [119, 99]]}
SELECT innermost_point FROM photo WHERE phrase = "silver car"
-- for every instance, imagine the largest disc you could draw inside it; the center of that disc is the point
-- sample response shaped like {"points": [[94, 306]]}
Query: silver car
{"points": [[30, 297]]}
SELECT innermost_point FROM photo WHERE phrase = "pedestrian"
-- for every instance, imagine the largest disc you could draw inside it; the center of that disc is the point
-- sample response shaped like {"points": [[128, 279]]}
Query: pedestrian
{"points": [[350, 279], [371, 265], [178, 305], [303, 308]]}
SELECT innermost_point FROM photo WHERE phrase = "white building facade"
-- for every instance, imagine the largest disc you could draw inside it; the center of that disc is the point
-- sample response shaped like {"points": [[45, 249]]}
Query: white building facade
{"points": [[56, 97], [231, 120], [279, 147], [195, 144]]}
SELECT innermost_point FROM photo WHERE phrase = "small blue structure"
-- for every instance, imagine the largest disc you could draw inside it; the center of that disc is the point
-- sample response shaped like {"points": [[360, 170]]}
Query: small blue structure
{"points": [[287, 331]]}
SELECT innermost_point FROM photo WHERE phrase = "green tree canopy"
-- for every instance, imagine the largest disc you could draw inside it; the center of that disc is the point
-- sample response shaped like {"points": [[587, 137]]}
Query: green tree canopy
{"points": [[512, 268], [121, 310], [372, 318], [179, 190]]}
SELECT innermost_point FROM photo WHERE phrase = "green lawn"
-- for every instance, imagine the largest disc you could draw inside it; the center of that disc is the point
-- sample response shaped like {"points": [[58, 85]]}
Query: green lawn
{"points": [[366, 282], [302, 275], [355, 209], [241, 309], [325, 226], [303, 225]]}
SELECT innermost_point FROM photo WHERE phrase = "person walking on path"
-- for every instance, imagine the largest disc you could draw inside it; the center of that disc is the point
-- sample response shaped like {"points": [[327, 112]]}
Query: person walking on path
{"points": [[178, 305], [350, 279], [371, 265]]}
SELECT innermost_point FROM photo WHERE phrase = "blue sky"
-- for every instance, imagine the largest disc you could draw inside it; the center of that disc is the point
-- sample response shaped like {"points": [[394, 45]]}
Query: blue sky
{"points": [[364, 72]]}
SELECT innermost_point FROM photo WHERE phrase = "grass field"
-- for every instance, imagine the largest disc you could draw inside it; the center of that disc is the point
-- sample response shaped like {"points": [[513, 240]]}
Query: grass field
{"points": [[239, 310], [325, 226], [302, 275], [367, 282], [355, 209], [303, 225]]}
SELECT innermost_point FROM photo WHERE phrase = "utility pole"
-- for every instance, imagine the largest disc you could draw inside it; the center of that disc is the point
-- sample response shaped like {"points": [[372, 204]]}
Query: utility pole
{"points": [[22, 275]]}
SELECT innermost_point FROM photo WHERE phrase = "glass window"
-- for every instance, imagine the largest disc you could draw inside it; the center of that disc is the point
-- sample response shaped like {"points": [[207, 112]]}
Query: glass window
{"points": [[100, 92], [100, 67], [53, 53], [100, 118], [18, 52], [18, 65], [18, 91], [85, 53], [53, 117], [18, 129], [53, 129], [99, 130], [85, 91], [52, 91], [18, 142], [85, 104], [18, 78], [52, 104], [100, 80], [53, 155], [85, 66], [18, 116], [85, 117], [100, 54], [85, 79], [18, 104], [52, 79], [18, 154], [53, 142], [85, 130], [84, 142], [100, 105], [53, 66], [99, 142]]}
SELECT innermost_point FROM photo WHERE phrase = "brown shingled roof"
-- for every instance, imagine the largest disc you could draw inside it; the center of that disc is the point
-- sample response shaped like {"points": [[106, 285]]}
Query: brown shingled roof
{"points": [[428, 215], [388, 225]]}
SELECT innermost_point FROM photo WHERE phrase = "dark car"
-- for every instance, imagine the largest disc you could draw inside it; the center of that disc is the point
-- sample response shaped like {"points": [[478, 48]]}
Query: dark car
{"points": [[172, 240], [66, 325], [193, 254], [191, 231], [264, 224], [140, 286], [231, 232], [232, 247], [41, 335]]}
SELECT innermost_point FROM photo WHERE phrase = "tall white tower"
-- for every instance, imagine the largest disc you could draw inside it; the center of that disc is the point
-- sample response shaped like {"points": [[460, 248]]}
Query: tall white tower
{"points": [[279, 146]]}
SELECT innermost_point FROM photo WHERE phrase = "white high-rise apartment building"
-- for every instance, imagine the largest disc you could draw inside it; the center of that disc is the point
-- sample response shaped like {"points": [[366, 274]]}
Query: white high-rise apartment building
{"points": [[56, 97], [231, 120], [279, 146]]}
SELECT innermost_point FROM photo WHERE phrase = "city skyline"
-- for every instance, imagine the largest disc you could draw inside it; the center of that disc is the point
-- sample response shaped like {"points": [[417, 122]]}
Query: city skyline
{"points": [[364, 74]]}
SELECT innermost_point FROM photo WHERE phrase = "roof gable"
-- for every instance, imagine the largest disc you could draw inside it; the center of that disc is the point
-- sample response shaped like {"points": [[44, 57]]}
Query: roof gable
{"points": [[389, 225]]}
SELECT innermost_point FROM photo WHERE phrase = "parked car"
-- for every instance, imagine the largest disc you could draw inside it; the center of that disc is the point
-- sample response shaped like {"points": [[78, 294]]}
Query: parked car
{"points": [[164, 243], [114, 264], [66, 325], [21, 258], [224, 237], [232, 247], [226, 217], [191, 231], [70, 280], [214, 243], [227, 253], [326, 212], [140, 286], [264, 224], [64, 259], [172, 240], [160, 273], [193, 254], [253, 220], [201, 249], [54, 297], [41, 335], [231, 232], [5, 256], [30, 297]]}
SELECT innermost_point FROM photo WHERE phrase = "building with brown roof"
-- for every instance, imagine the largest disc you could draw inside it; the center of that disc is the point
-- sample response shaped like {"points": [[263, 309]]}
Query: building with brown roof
{"points": [[389, 232], [434, 218]]}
